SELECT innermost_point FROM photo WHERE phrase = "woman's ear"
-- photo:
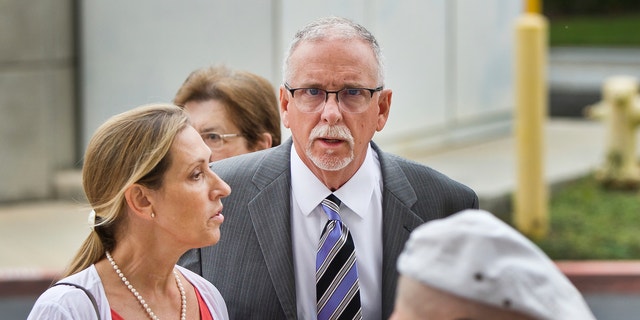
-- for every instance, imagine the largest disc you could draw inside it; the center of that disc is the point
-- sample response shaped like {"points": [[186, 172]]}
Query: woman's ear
{"points": [[138, 201]]}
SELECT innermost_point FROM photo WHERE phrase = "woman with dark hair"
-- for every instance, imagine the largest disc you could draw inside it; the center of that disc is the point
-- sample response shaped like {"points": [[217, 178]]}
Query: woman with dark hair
{"points": [[234, 111]]}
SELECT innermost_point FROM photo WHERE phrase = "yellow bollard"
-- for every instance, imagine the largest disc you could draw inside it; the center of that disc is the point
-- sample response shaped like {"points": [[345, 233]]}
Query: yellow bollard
{"points": [[620, 109], [531, 195], [533, 6]]}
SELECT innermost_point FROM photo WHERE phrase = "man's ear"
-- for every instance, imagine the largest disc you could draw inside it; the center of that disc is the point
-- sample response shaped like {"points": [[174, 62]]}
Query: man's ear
{"points": [[138, 200], [284, 106], [384, 105]]}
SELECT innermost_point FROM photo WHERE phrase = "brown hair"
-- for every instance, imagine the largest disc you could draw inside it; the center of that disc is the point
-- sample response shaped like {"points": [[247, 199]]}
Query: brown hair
{"points": [[131, 147], [249, 99]]}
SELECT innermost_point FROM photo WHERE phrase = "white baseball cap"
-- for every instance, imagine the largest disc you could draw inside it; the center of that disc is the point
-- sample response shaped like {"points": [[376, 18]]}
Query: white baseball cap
{"points": [[474, 255]]}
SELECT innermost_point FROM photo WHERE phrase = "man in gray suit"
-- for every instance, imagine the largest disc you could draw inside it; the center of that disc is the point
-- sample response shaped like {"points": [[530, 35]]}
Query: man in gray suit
{"points": [[333, 100]]}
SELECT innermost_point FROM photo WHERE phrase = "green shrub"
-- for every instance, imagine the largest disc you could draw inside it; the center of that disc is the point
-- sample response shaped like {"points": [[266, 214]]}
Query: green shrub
{"points": [[607, 31], [589, 222], [589, 7]]}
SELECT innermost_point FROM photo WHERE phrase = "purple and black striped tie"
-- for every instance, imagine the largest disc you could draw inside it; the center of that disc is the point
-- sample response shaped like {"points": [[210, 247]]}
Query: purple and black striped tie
{"points": [[337, 288]]}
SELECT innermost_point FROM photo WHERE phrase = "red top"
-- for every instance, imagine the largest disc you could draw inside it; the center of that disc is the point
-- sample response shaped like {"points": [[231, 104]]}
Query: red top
{"points": [[205, 314]]}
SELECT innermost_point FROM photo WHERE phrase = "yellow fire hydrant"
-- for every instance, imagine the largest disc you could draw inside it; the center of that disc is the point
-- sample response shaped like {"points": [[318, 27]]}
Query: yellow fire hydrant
{"points": [[620, 109]]}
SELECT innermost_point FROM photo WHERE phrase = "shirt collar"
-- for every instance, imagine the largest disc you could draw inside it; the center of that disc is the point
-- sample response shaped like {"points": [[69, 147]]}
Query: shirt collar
{"points": [[356, 194]]}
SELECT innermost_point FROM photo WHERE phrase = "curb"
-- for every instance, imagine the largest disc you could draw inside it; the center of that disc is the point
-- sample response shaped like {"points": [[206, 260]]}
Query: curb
{"points": [[26, 282], [603, 276]]}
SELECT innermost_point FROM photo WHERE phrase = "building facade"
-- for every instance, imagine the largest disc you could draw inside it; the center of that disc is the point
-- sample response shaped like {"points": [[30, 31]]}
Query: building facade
{"points": [[65, 67]]}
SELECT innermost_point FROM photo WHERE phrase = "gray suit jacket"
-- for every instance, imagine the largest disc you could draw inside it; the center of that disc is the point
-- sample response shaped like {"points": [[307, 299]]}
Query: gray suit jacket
{"points": [[252, 264]]}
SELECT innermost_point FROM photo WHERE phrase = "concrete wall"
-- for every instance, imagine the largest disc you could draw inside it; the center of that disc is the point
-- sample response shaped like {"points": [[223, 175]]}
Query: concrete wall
{"points": [[37, 132], [448, 62], [449, 66]]}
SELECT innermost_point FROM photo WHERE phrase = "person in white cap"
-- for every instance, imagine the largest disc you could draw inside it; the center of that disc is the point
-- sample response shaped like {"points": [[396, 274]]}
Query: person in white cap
{"points": [[472, 265]]}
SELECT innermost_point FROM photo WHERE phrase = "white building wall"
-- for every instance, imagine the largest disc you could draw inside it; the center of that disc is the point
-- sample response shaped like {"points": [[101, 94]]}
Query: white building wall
{"points": [[36, 96], [449, 62]]}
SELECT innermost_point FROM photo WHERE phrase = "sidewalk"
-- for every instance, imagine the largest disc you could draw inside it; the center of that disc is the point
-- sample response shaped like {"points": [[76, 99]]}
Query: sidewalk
{"points": [[576, 75], [573, 148], [41, 238]]}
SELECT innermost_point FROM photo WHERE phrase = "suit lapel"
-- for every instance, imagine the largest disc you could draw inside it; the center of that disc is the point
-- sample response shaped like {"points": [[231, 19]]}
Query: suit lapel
{"points": [[398, 197], [271, 219]]}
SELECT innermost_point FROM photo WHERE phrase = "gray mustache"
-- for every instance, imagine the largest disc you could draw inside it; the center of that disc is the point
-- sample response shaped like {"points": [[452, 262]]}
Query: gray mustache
{"points": [[339, 132]]}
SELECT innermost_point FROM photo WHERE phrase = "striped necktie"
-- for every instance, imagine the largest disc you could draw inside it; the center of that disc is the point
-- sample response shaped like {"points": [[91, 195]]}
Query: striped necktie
{"points": [[337, 288]]}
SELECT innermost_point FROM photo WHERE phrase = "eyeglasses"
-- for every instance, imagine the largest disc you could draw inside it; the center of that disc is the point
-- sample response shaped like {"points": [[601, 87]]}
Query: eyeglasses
{"points": [[353, 100], [215, 140]]}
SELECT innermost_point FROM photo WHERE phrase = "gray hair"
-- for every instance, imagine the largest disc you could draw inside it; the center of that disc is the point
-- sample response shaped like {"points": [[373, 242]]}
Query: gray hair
{"points": [[334, 27]]}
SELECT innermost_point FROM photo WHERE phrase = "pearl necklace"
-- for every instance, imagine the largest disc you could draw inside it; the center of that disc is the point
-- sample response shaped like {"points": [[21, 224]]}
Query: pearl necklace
{"points": [[145, 306]]}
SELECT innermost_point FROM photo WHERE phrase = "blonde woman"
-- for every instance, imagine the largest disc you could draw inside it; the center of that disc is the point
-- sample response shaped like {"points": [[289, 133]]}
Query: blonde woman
{"points": [[147, 178]]}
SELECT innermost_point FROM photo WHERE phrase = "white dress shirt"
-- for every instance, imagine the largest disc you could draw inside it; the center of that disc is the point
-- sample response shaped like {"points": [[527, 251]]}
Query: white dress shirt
{"points": [[360, 211]]}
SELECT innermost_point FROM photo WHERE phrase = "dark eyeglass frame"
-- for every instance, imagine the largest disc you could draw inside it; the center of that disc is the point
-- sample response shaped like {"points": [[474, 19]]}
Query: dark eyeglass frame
{"points": [[222, 138], [327, 92]]}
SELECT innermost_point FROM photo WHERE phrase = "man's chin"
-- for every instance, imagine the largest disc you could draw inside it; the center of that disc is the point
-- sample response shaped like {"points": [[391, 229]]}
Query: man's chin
{"points": [[330, 162]]}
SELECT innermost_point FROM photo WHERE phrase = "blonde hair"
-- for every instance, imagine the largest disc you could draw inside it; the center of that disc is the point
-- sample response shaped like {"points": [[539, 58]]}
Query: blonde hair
{"points": [[131, 147]]}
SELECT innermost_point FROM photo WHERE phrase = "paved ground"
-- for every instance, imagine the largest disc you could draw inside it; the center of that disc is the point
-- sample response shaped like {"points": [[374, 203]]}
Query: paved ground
{"points": [[584, 69], [43, 237], [576, 75], [40, 236]]}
